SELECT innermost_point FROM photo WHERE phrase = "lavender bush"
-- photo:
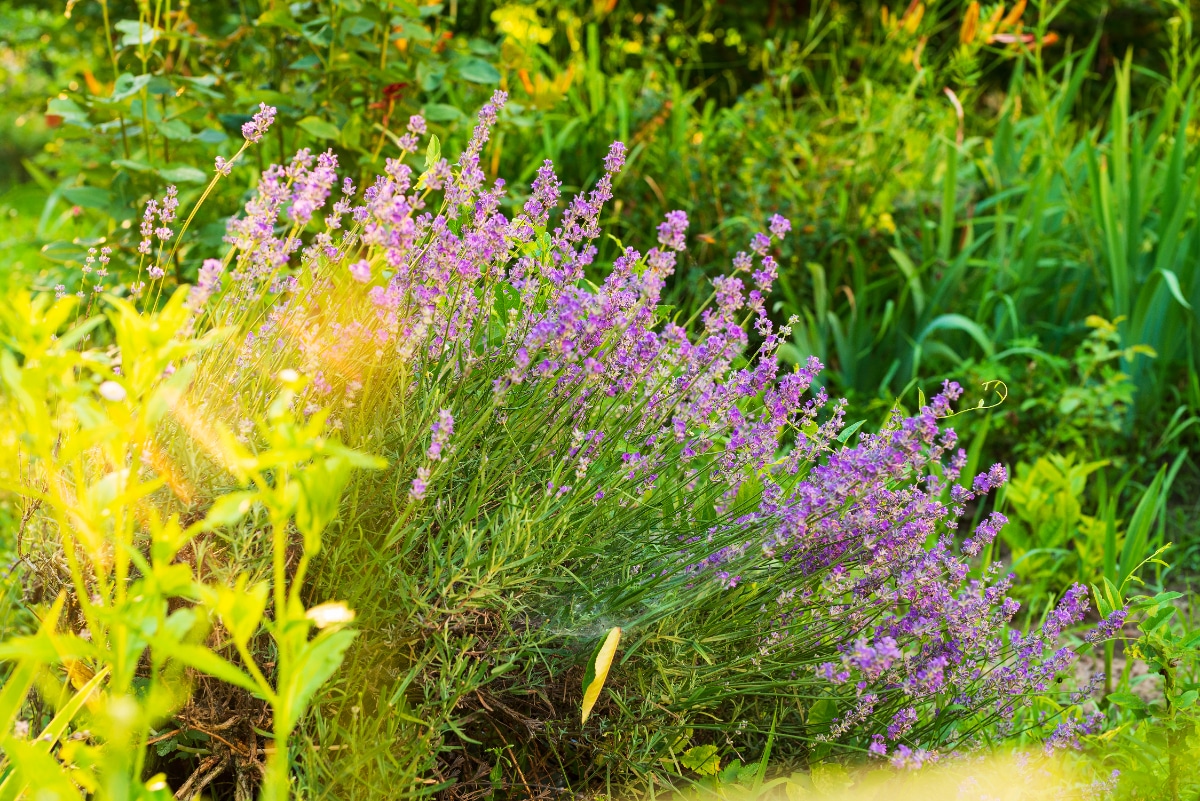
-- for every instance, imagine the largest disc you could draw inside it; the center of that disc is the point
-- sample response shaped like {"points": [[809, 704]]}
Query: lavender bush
{"points": [[566, 457]]}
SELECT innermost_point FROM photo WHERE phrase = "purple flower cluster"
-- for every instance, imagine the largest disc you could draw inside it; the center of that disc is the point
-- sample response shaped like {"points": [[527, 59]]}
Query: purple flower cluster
{"points": [[876, 602], [441, 429], [208, 282], [1067, 733], [258, 125]]}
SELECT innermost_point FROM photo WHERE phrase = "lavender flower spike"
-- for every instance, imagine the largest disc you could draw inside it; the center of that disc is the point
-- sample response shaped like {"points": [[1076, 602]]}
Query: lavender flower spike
{"points": [[442, 429], [254, 130]]}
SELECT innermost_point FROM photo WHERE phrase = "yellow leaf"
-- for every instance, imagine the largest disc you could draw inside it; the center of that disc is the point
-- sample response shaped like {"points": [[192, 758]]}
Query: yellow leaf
{"points": [[597, 671], [1014, 16], [970, 24], [912, 17]]}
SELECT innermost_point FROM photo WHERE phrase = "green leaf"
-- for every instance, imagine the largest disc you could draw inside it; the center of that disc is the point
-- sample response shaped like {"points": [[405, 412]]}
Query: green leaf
{"points": [[130, 164], [307, 63], [957, 322], [1126, 700], [69, 110], [183, 175], [433, 152], [319, 128], [280, 17], [176, 130], [356, 26], [702, 759], [228, 509], [57, 727], [37, 768], [597, 670], [476, 70], [316, 663], [911, 276], [127, 85], [1173, 285], [442, 112], [830, 777], [88, 197], [205, 661], [63, 252], [822, 712], [136, 32], [1158, 619], [241, 608], [849, 430]]}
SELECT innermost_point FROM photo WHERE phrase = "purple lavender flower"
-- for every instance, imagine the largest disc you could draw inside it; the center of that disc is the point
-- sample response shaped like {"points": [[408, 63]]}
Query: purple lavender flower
{"points": [[170, 205], [985, 533], [615, 159], [1109, 627], [253, 131], [780, 226], [420, 484], [222, 166], [673, 231], [442, 428], [147, 229], [901, 723], [207, 282]]}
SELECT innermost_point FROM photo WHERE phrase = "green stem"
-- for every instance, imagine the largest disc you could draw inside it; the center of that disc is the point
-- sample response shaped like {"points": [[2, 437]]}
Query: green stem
{"points": [[204, 196], [112, 56]]}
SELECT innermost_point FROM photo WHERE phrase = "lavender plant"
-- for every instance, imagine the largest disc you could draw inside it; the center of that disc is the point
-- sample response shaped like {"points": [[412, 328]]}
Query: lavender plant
{"points": [[564, 458]]}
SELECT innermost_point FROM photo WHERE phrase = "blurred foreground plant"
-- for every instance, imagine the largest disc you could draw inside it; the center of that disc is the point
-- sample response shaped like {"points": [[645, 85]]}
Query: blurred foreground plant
{"points": [[133, 608]]}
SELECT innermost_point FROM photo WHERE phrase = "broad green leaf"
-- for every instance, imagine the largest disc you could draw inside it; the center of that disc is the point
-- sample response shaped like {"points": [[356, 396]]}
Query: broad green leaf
{"points": [[136, 32], [183, 175], [702, 759], [476, 70], [830, 777], [130, 164], [849, 430], [356, 26], [128, 85], [597, 670], [442, 112], [205, 661], [280, 17], [176, 130], [1126, 700], [228, 509], [318, 661], [69, 110], [319, 128], [88, 197]]}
